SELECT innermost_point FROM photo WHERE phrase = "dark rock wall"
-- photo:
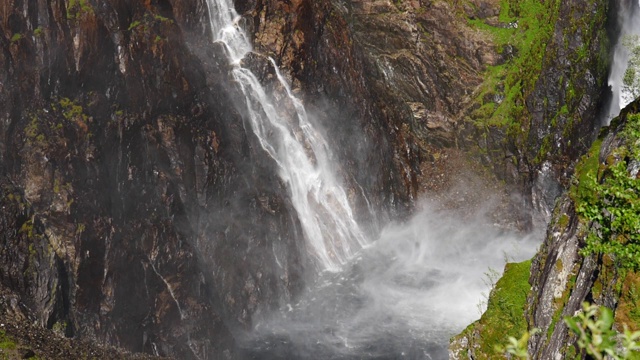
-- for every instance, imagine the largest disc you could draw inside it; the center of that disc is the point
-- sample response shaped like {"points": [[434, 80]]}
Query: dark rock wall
{"points": [[146, 217], [565, 103], [564, 106], [554, 115], [315, 45], [139, 211], [562, 277]]}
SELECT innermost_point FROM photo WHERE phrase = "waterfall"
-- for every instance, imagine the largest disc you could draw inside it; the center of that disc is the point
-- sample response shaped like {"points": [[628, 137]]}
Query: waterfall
{"points": [[629, 20], [300, 152]]}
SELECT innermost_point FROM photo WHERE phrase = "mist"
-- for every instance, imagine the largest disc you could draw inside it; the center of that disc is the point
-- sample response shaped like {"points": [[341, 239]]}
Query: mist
{"points": [[629, 21], [403, 296]]}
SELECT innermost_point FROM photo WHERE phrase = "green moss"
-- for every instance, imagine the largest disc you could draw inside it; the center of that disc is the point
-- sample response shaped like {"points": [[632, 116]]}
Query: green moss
{"points": [[628, 310], [80, 228], [609, 198], [559, 265], [596, 289], [148, 23], [134, 25], [162, 19], [525, 29], [504, 316], [563, 221], [586, 175], [6, 343], [38, 31], [27, 228], [31, 130], [72, 111], [16, 37], [78, 8]]}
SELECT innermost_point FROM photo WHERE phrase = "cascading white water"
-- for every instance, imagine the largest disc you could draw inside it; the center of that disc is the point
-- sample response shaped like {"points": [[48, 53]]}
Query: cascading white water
{"points": [[629, 20], [299, 150], [401, 297]]}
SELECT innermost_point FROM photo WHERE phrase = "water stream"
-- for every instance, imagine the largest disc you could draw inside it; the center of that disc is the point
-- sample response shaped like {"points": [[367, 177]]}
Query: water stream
{"points": [[629, 20], [401, 296], [300, 152]]}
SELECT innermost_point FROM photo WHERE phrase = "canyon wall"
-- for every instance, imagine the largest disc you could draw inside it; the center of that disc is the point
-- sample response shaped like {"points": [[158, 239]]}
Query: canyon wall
{"points": [[141, 213]]}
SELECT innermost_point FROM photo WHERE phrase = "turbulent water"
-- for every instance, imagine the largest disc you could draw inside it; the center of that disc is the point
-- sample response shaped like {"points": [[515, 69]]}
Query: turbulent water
{"points": [[401, 296], [629, 18]]}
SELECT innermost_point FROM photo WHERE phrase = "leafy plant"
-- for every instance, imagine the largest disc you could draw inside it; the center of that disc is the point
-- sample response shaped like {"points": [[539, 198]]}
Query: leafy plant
{"points": [[518, 347], [593, 326], [610, 200]]}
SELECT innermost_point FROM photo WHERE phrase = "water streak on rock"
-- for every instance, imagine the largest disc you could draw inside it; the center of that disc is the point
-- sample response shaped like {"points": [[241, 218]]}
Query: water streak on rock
{"points": [[629, 20], [299, 150]]}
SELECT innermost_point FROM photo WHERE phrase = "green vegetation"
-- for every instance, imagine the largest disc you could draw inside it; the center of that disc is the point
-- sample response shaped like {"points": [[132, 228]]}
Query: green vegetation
{"points": [[27, 228], [6, 343], [134, 25], [10, 350], [609, 198], [504, 316], [518, 347], [16, 37], [628, 309], [148, 21], [593, 327], [38, 31], [72, 111], [586, 170], [60, 327], [162, 19], [526, 28], [524, 35], [77, 8], [45, 128]]}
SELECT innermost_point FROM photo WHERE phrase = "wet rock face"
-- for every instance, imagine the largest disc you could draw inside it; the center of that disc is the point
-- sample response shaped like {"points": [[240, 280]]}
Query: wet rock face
{"points": [[141, 213], [138, 213], [565, 103], [562, 277], [562, 274], [367, 74], [410, 68], [555, 114]]}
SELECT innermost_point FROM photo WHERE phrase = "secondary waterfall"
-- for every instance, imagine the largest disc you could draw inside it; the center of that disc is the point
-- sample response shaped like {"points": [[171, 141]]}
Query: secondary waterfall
{"points": [[300, 152], [629, 20]]}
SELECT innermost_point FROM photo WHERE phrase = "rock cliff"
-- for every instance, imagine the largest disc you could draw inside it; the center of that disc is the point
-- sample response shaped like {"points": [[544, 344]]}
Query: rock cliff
{"points": [[138, 212], [586, 256]]}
